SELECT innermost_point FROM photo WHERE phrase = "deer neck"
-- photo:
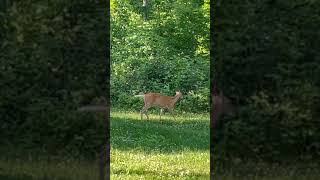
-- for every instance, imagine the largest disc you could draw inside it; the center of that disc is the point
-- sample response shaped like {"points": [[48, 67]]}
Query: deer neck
{"points": [[175, 98]]}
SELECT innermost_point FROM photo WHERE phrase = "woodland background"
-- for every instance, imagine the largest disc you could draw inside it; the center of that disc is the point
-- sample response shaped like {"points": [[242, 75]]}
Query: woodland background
{"points": [[53, 59], [165, 51], [266, 58]]}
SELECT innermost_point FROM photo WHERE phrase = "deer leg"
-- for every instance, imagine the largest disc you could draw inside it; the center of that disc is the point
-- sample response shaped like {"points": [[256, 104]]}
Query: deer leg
{"points": [[171, 112], [144, 111], [141, 113], [161, 112], [101, 165]]}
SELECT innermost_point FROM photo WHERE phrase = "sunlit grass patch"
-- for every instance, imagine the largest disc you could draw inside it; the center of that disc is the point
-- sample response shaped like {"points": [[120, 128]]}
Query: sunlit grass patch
{"points": [[154, 149], [154, 114], [182, 165]]}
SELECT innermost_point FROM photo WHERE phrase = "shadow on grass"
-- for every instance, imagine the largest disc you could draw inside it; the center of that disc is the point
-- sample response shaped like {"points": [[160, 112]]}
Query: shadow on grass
{"points": [[166, 136], [16, 177], [26, 177]]}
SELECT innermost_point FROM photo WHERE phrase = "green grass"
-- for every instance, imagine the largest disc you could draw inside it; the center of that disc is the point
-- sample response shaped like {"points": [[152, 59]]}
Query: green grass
{"points": [[154, 149], [139, 150], [269, 171], [142, 149], [37, 169]]}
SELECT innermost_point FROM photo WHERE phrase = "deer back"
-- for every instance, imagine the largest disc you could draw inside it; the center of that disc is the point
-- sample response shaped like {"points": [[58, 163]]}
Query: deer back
{"points": [[223, 106]]}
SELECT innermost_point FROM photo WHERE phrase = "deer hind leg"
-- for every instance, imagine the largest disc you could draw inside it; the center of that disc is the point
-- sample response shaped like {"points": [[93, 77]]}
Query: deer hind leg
{"points": [[171, 112], [161, 112], [144, 111]]}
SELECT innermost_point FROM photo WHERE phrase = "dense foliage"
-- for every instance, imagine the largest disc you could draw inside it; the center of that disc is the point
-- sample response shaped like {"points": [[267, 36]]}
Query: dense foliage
{"points": [[52, 59], [267, 59], [166, 52]]}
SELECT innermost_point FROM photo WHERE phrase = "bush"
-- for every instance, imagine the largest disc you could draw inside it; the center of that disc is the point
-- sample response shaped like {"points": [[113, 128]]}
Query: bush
{"points": [[163, 54]]}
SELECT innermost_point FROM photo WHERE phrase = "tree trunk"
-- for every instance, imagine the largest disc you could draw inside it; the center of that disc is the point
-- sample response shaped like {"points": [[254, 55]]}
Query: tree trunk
{"points": [[145, 9]]}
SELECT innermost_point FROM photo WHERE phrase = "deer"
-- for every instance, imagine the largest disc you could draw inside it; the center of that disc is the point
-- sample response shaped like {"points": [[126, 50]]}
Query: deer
{"points": [[159, 100], [100, 105], [221, 106]]}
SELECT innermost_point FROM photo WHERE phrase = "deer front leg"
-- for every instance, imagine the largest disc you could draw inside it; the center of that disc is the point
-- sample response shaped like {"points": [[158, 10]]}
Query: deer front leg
{"points": [[147, 115], [171, 112]]}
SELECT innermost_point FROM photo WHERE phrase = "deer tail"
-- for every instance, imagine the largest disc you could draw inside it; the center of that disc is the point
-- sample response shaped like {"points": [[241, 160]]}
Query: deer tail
{"points": [[140, 95]]}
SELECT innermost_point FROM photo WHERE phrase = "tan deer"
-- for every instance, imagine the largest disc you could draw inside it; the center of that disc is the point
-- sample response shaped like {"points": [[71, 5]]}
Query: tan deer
{"points": [[221, 106], [100, 106], [159, 100]]}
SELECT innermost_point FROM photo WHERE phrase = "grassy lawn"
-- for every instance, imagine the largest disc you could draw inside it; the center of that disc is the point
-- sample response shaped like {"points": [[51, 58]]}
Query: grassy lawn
{"points": [[139, 150], [41, 169], [154, 149], [142, 149], [267, 171]]}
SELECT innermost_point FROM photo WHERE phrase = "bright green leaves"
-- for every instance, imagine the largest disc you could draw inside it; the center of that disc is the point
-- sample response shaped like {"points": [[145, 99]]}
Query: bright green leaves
{"points": [[167, 52]]}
